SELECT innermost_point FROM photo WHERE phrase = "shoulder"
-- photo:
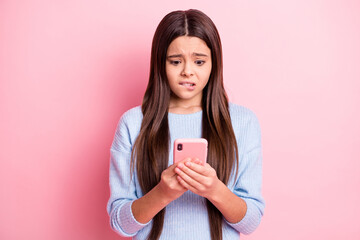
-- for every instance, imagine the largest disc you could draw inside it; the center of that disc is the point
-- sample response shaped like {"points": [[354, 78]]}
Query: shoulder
{"points": [[242, 115], [131, 119], [246, 127], [129, 124], [133, 114]]}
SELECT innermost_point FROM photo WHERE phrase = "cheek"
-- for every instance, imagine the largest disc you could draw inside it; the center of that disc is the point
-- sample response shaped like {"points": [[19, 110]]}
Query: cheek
{"points": [[167, 70], [170, 72], [206, 74], [169, 75]]}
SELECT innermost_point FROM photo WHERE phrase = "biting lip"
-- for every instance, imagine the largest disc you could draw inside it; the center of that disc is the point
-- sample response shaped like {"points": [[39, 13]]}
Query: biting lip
{"points": [[190, 84]]}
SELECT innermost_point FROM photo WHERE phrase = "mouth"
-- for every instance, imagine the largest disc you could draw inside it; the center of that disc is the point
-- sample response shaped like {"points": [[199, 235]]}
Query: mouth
{"points": [[187, 84]]}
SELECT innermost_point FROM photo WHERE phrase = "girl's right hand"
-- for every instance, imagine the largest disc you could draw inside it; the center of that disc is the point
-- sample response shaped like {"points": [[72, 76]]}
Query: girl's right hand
{"points": [[169, 185], [166, 191]]}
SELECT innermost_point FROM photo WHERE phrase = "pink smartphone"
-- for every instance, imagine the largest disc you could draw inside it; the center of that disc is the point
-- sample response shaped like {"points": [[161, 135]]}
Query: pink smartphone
{"points": [[190, 147]]}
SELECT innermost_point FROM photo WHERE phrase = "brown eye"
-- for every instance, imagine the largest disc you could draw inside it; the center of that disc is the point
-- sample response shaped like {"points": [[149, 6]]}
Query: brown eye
{"points": [[175, 62], [199, 62]]}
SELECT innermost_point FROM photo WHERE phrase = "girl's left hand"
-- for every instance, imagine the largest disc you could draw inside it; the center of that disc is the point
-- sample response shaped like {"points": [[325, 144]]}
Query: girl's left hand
{"points": [[200, 179]]}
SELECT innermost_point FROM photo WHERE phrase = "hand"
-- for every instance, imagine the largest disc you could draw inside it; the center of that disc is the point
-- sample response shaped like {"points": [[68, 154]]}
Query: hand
{"points": [[200, 179], [169, 185]]}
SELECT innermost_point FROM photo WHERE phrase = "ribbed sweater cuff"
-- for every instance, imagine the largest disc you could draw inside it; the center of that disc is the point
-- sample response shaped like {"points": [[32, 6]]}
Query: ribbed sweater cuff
{"points": [[250, 221], [128, 221]]}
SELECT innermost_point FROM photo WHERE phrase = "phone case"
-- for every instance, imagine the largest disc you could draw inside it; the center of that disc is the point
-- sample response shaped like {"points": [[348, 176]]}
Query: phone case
{"points": [[190, 147]]}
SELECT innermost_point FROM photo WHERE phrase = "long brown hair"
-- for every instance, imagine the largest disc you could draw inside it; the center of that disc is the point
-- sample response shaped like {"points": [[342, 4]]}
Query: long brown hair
{"points": [[151, 149]]}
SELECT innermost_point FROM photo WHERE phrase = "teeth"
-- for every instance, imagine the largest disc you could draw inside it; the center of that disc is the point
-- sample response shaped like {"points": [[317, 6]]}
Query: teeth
{"points": [[188, 84]]}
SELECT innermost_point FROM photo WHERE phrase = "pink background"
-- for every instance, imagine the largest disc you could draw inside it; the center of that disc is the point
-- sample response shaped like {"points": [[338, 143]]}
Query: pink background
{"points": [[70, 68]]}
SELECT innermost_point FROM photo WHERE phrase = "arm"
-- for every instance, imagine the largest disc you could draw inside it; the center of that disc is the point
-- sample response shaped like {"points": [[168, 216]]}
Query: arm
{"points": [[122, 187], [242, 207], [203, 181], [168, 189], [232, 207], [129, 212]]}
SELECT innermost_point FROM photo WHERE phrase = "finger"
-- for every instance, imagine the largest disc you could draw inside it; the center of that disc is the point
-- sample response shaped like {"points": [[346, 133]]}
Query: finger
{"points": [[196, 160], [189, 176], [198, 168], [182, 187], [186, 185], [170, 170], [177, 163]]}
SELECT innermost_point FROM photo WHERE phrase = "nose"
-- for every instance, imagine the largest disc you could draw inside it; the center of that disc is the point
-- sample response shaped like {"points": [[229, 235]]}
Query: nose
{"points": [[187, 71]]}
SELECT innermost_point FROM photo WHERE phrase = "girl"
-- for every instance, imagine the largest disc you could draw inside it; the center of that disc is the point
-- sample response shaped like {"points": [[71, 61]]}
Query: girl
{"points": [[152, 198]]}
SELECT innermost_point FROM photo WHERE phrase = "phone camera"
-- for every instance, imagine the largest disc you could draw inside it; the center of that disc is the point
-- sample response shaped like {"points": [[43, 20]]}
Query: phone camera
{"points": [[179, 147]]}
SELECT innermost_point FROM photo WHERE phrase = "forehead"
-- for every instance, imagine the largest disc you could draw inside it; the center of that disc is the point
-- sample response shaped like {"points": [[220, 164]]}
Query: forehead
{"points": [[188, 45]]}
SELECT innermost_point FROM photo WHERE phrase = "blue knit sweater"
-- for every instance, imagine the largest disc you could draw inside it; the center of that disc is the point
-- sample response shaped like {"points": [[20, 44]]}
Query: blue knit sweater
{"points": [[186, 217]]}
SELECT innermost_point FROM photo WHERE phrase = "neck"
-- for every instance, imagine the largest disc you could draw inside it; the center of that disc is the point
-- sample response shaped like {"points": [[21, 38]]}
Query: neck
{"points": [[183, 106]]}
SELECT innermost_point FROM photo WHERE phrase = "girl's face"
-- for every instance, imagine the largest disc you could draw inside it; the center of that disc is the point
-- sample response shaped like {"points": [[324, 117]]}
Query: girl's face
{"points": [[188, 68]]}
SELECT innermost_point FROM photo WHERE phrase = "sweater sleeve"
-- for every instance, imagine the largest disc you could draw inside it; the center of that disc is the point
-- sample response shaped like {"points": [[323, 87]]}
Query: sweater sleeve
{"points": [[122, 187], [249, 178]]}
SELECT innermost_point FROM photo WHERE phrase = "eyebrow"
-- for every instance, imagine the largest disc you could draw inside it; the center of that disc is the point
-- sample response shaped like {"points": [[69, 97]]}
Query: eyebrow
{"points": [[194, 54]]}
